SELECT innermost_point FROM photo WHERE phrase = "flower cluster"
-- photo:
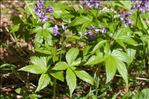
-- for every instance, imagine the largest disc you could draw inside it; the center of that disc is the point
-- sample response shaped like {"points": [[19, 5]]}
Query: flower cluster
{"points": [[92, 32], [125, 18], [41, 10], [91, 3], [142, 5]]}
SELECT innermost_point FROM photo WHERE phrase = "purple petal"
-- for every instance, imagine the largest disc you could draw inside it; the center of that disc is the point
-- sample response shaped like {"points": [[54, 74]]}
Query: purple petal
{"points": [[49, 9], [55, 31]]}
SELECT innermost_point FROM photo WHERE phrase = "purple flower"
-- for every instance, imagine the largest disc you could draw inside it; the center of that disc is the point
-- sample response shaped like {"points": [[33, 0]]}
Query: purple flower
{"points": [[37, 10], [97, 30], [40, 3], [90, 35], [55, 31], [92, 32], [43, 17], [64, 27], [49, 9], [90, 3], [141, 5], [128, 21], [103, 30], [41, 10], [124, 17], [93, 3]]}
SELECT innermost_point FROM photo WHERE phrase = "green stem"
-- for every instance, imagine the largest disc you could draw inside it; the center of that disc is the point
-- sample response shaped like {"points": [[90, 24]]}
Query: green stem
{"points": [[97, 80], [54, 89]]}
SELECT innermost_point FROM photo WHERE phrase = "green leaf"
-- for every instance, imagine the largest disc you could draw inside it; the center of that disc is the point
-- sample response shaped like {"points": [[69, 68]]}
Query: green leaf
{"points": [[121, 43], [107, 48], [48, 39], [123, 71], [43, 82], [128, 40], [59, 9], [71, 80], [121, 55], [57, 13], [58, 75], [98, 46], [110, 63], [44, 51], [18, 90], [126, 4], [76, 62], [131, 53], [35, 69], [113, 62], [142, 95], [7, 67], [15, 28], [29, 8], [95, 60], [81, 20], [72, 38], [40, 61], [46, 25], [37, 29], [84, 76], [86, 50], [144, 25], [71, 55], [115, 96], [60, 66], [66, 16], [123, 35]]}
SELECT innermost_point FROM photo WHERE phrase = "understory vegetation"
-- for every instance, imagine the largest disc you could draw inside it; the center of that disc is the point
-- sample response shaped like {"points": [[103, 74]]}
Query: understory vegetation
{"points": [[75, 49]]}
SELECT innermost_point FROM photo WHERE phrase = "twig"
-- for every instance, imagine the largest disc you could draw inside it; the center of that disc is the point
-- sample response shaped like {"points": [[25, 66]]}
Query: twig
{"points": [[137, 78], [145, 79]]}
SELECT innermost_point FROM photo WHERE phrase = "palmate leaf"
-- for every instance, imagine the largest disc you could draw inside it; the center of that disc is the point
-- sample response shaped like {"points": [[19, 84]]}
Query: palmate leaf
{"points": [[71, 80], [83, 75], [71, 55], [43, 82], [114, 63]]}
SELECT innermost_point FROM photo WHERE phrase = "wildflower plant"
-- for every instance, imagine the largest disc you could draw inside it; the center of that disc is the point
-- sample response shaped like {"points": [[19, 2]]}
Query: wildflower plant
{"points": [[73, 37]]}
